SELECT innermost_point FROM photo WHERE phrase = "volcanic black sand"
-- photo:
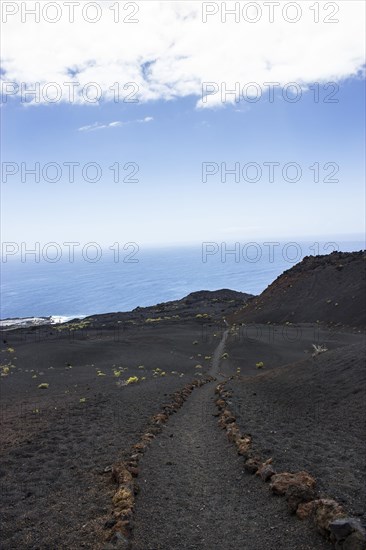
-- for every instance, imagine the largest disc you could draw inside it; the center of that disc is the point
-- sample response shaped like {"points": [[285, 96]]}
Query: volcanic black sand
{"points": [[58, 442]]}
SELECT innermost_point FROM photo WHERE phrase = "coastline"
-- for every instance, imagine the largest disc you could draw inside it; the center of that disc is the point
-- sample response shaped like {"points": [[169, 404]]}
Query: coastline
{"points": [[82, 289], [23, 322]]}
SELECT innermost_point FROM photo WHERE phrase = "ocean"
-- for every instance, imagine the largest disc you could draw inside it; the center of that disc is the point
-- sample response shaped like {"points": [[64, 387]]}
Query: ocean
{"points": [[106, 282]]}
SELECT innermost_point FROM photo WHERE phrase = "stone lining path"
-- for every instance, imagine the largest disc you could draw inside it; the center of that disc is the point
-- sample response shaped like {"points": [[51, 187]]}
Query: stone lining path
{"points": [[194, 493]]}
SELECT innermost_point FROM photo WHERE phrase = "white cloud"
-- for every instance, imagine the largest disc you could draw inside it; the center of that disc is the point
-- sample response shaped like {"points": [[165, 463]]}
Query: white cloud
{"points": [[97, 126], [115, 124], [170, 52]]}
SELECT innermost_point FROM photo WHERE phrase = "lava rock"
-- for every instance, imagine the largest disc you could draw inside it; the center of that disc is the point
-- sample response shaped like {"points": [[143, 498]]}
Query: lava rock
{"points": [[265, 471], [110, 523], [355, 541], [327, 510], [252, 464], [343, 527], [280, 483], [296, 495]]}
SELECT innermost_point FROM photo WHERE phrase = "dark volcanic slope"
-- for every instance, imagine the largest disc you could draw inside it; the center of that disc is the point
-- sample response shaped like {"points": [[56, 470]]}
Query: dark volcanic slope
{"points": [[329, 289], [204, 305], [310, 415]]}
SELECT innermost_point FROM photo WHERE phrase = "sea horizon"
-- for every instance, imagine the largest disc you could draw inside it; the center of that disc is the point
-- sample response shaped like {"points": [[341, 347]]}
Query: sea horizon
{"points": [[64, 289]]}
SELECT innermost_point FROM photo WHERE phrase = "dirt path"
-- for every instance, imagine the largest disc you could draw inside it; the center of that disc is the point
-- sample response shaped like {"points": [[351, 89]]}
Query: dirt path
{"points": [[194, 493], [216, 358]]}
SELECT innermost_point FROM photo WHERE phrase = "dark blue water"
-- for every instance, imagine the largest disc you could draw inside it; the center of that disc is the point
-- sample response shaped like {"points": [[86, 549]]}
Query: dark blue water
{"points": [[83, 288]]}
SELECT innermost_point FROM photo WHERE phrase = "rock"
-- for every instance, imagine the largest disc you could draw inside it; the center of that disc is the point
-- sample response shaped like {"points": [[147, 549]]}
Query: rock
{"points": [[233, 432], [155, 429], [140, 447], [120, 474], [326, 511], [124, 515], [296, 495], [160, 418], [265, 471], [120, 541], [123, 499], [119, 538], [110, 523], [355, 541], [305, 510], [226, 418], [252, 464], [343, 527], [243, 445], [280, 483]]}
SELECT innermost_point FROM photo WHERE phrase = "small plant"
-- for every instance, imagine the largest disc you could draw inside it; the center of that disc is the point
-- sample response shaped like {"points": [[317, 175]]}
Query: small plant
{"points": [[43, 386], [132, 380], [5, 370], [72, 326], [318, 349], [82, 400], [259, 365]]}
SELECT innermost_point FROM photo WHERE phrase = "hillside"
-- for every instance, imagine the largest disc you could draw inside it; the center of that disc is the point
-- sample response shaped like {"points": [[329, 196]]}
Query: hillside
{"points": [[329, 289]]}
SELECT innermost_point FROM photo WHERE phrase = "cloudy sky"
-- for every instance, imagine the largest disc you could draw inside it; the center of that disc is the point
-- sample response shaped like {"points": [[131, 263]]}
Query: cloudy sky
{"points": [[179, 122]]}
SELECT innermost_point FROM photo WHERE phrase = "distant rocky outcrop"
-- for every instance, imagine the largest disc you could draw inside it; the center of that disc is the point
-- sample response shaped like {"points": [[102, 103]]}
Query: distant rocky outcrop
{"points": [[203, 306]]}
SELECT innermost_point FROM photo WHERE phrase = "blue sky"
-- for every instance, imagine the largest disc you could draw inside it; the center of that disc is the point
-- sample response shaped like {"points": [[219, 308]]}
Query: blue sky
{"points": [[170, 137]]}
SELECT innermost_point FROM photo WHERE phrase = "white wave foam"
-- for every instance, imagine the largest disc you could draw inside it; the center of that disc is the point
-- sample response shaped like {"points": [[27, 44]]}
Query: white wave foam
{"points": [[20, 322]]}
